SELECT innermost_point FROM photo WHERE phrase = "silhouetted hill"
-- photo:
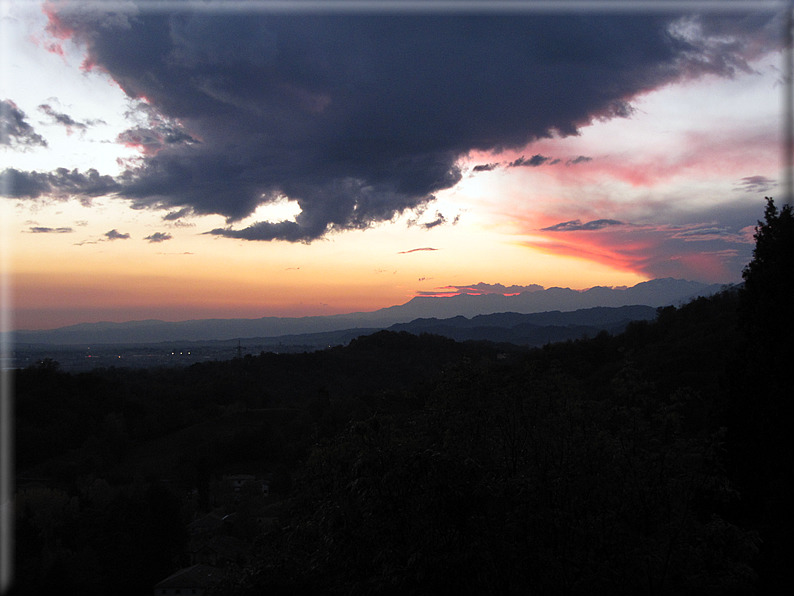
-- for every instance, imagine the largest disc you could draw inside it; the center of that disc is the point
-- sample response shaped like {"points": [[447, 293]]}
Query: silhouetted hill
{"points": [[636, 417], [655, 293], [651, 461], [532, 329], [521, 329]]}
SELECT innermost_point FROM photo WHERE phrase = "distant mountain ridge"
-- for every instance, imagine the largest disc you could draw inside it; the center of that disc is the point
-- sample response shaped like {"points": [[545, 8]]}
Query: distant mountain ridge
{"points": [[532, 329], [654, 293]]}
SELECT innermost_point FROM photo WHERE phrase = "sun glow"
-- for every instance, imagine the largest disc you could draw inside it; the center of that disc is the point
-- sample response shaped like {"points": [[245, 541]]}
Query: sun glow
{"points": [[665, 192]]}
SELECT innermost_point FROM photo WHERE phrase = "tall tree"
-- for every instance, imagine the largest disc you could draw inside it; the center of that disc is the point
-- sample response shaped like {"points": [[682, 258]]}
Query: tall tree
{"points": [[768, 288], [760, 444]]}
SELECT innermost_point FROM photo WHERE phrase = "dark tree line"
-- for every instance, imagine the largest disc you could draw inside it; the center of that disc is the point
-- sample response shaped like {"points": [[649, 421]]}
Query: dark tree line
{"points": [[517, 479], [760, 418], [656, 461]]}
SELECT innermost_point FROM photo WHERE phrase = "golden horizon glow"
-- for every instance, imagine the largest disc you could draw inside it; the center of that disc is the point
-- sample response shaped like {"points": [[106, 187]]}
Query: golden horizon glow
{"points": [[653, 188]]}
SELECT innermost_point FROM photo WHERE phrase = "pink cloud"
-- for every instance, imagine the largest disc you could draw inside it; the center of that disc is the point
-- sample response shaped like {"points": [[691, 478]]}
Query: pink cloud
{"points": [[610, 249], [660, 209], [55, 48], [427, 248], [55, 25], [706, 253], [740, 151]]}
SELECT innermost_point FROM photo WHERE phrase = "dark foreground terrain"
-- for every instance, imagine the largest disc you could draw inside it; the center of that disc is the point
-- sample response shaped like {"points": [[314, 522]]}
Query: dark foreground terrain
{"points": [[655, 461]]}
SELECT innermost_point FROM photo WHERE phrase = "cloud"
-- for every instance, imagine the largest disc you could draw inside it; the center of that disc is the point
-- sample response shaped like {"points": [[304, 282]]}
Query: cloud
{"points": [[158, 237], [63, 119], [155, 131], [438, 221], [175, 215], [479, 289], [704, 233], [534, 161], [14, 131], [115, 235], [264, 230], [704, 251], [43, 230], [405, 252], [576, 225], [360, 118], [61, 183], [757, 184]]}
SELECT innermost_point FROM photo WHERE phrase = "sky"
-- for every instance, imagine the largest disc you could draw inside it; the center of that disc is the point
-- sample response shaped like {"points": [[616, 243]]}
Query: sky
{"points": [[241, 161]]}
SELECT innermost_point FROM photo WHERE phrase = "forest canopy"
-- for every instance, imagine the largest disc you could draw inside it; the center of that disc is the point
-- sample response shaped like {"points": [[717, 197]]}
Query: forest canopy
{"points": [[650, 462]]}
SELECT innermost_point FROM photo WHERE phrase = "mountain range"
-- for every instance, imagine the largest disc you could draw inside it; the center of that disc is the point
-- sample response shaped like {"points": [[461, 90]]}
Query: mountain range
{"points": [[654, 293]]}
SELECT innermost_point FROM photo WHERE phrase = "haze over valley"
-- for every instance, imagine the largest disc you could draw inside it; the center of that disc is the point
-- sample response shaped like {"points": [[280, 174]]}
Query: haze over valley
{"points": [[655, 293]]}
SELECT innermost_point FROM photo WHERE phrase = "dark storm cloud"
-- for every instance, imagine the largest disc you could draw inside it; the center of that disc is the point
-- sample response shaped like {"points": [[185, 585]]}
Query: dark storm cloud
{"points": [[360, 118], [756, 184], [576, 225], [61, 183], [151, 140], [14, 131], [264, 230], [577, 160], [116, 235], [486, 167], [175, 215]]}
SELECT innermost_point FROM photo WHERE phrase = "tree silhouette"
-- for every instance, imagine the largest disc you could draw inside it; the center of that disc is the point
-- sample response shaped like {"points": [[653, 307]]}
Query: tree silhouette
{"points": [[768, 285], [759, 425], [765, 317]]}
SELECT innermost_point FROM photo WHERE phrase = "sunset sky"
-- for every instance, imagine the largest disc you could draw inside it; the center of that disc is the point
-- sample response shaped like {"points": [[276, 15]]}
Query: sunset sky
{"points": [[167, 163]]}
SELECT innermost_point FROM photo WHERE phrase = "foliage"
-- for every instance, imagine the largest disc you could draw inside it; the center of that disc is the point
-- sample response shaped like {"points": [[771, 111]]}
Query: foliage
{"points": [[652, 462], [767, 277], [760, 414], [105, 539], [509, 481]]}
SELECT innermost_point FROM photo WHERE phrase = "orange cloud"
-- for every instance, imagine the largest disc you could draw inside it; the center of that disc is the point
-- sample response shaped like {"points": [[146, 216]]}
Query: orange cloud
{"points": [[706, 253], [608, 249]]}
